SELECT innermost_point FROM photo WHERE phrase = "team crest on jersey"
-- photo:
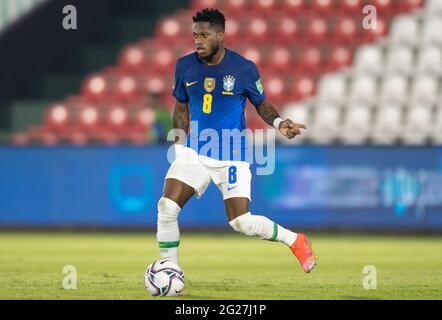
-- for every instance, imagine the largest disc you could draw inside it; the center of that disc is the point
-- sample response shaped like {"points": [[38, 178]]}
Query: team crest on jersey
{"points": [[228, 83], [209, 84]]}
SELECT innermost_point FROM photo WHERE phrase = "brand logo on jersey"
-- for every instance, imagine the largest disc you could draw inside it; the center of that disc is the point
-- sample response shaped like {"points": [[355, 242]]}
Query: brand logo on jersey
{"points": [[259, 86], [228, 83], [230, 188], [209, 84], [188, 84]]}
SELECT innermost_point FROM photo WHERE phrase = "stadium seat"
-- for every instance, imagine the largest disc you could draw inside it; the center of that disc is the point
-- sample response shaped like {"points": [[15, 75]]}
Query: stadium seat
{"points": [[429, 61], [394, 89], [434, 8], [369, 59], [418, 125], [425, 89], [431, 32], [323, 6], [96, 87], [346, 30], [363, 89], [356, 125], [351, 6], [310, 59], [303, 86], [281, 58], [57, 117], [332, 88], [387, 124], [400, 59], [258, 29], [325, 123], [296, 6], [317, 30], [338, 57], [286, 29]]}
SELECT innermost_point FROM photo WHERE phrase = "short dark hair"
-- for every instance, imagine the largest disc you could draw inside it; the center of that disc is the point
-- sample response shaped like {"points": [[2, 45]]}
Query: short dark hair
{"points": [[213, 16]]}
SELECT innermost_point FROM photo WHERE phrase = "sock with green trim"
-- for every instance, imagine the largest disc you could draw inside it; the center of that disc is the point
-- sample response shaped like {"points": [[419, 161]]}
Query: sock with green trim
{"points": [[168, 233], [260, 226]]}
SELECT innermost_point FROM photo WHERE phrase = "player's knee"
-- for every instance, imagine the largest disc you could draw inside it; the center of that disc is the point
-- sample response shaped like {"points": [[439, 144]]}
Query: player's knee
{"points": [[168, 211], [243, 224]]}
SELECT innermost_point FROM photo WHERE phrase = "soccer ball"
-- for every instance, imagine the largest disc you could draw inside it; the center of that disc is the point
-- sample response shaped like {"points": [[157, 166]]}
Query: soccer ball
{"points": [[164, 278]]}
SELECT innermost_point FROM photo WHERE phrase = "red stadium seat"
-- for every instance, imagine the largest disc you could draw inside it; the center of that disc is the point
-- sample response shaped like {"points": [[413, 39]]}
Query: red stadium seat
{"points": [[20, 139], [132, 58], [346, 30], [57, 117], [281, 58], [258, 29], [310, 59], [95, 87], [233, 29], [253, 53], [338, 57], [286, 29], [265, 5], [126, 88], [407, 5], [323, 6], [317, 29], [295, 6], [42, 136], [303, 87], [144, 118], [351, 6]]}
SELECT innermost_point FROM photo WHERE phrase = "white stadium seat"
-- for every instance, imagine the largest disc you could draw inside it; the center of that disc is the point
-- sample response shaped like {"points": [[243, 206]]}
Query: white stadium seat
{"points": [[326, 123], [429, 60], [434, 7], [425, 89], [363, 88], [400, 59], [387, 124], [404, 30], [418, 124], [299, 113], [432, 32], [369, 59], [394, 88], [333, 88], [357, 124]]}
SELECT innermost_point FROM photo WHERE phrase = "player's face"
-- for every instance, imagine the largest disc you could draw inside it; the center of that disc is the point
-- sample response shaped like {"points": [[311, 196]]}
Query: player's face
{"points": [[207, 40]]}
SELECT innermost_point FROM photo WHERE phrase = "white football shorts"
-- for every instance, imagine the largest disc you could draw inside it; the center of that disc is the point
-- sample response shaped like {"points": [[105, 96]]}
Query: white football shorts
{"points": [[233, 178]]}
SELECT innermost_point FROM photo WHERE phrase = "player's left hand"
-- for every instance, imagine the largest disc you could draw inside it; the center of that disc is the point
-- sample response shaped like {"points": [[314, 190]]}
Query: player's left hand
{"points": [[290, 129]]}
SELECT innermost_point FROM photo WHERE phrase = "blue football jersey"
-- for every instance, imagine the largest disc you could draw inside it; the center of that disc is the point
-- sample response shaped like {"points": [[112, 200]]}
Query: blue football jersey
{"points": [[216, 97]]}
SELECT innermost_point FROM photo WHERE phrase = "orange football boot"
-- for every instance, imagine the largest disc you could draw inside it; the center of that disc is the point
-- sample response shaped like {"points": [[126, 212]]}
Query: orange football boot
{"points": [[302, 249]]}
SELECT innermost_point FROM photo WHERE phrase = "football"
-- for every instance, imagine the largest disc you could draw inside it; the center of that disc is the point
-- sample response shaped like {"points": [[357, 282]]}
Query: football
{"points": [[164, 278]]}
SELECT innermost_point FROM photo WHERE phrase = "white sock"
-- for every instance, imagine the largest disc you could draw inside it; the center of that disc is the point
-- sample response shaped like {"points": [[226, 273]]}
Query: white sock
{"points": [[260, 226], [168, 233]]}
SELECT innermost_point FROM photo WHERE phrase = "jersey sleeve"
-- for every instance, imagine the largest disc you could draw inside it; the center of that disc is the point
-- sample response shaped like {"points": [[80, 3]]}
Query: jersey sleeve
{"points": [[253, 86], [179, 90]]}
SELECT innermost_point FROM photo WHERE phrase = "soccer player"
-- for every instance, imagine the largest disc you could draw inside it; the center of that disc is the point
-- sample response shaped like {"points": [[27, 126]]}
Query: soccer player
{"points": [[211, 86]]}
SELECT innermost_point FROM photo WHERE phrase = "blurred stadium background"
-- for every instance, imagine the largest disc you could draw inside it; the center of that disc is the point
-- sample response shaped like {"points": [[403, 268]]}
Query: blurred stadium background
{"points": [[84, 114]]}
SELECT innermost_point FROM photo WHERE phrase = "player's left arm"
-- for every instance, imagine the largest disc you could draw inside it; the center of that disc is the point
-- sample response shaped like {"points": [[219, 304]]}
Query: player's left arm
{"points": [[286, 127]]}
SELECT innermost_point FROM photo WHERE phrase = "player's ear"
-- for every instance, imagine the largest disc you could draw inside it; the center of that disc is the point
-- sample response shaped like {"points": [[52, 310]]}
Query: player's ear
{"points": [[220, 36]]}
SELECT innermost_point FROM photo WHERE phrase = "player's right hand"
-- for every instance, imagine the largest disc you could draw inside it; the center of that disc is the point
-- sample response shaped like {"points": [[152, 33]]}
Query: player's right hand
{"points": [[290, 129]]}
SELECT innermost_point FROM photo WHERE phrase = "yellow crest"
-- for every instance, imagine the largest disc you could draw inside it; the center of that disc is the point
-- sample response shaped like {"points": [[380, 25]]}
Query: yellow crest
{"points": [[209, 84]]}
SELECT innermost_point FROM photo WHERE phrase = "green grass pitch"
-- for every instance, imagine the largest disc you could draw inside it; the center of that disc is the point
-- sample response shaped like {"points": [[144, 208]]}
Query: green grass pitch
{"points": [[219, 266]]}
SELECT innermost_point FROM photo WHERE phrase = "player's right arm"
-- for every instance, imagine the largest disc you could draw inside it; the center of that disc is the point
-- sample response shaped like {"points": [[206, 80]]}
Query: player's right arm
{"points": [[181, 111], [180, 121]]}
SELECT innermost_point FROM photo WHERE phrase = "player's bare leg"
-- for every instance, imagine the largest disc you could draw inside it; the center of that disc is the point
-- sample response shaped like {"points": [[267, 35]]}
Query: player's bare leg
{"points": [[176, 194], [244, 222]]}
